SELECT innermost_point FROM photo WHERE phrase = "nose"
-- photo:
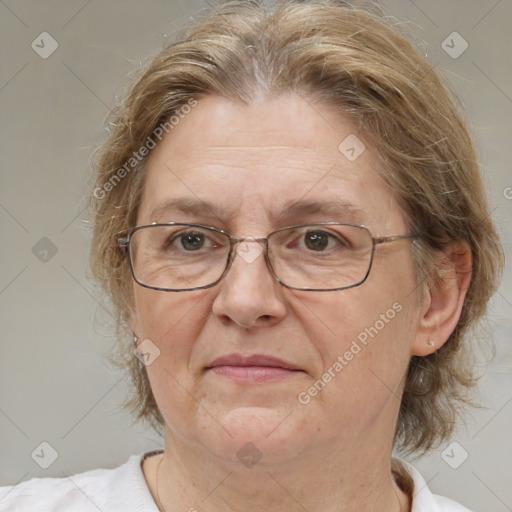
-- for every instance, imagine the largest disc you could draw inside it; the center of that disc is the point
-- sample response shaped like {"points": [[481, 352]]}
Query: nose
{"points": [[249, 294]]}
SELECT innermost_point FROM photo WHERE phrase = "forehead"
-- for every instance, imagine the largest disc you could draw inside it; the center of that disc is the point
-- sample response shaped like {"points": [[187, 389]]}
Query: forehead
{"points": [[263, 159]]}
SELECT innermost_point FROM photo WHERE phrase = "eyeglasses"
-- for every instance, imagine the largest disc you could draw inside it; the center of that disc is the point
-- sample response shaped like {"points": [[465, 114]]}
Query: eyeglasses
{"points": [[178, 257]]}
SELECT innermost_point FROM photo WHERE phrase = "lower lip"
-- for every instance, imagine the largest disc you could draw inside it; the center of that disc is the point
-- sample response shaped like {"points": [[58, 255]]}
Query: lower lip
{"points": [[254, 373]]}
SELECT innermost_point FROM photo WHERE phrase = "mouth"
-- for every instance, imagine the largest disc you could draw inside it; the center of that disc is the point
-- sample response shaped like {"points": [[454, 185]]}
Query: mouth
{"points": [[256, 368]]}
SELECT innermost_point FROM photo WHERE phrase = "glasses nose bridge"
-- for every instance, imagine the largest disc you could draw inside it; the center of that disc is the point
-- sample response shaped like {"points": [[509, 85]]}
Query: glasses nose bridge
{"points": [[238, 239], [234, 240]]}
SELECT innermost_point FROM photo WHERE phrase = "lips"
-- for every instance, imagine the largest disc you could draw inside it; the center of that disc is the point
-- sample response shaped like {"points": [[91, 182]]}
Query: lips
{"points": [[254, 369], [258, 360]]}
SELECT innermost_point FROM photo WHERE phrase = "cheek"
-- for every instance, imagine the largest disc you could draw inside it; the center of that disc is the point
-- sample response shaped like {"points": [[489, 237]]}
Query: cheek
{"points": [[354, 316], [363, 336], [364, 365], [171, 323], [161, 315]]}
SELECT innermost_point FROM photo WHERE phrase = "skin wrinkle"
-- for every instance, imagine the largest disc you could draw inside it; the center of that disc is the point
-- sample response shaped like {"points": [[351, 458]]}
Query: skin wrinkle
{"points": [[248, 310], [292, 211], [366, 218]]}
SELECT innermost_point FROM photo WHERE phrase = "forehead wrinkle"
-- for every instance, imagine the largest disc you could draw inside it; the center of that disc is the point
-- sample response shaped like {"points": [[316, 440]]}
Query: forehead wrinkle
{"points": [[292, 208], [190, 205], [340, 210]]}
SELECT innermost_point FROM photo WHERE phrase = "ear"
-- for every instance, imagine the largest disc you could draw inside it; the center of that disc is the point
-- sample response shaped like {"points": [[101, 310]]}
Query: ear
{"points": [[443, 301]]}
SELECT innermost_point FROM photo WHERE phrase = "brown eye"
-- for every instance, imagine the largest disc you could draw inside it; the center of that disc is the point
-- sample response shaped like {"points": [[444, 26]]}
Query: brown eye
{"points": [[317, 240]]}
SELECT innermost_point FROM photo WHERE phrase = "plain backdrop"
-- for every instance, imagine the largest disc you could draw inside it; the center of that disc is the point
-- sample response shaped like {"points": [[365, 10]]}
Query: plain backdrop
{"points": [[55, 384]]}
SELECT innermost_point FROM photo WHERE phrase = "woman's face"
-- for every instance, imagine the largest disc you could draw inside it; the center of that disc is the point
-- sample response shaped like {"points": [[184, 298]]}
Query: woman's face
{"points": [[249, 163]]}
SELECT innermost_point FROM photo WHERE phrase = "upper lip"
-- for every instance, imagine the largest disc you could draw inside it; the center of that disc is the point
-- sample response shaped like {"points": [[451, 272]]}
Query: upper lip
{"points": [[252, 360]]}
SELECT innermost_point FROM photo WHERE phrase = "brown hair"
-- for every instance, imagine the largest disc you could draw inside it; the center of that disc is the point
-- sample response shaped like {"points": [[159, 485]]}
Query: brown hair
{"points": [[360, 64]]}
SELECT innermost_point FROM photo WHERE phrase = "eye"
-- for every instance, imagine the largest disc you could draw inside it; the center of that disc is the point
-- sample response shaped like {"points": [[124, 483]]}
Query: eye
{"points": [[316, 240], [320, 240], [191, 241], [313, 240]]}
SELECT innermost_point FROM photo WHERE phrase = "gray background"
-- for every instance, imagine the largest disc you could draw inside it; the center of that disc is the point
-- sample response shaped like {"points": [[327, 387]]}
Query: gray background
{"points": [[55, 383]]}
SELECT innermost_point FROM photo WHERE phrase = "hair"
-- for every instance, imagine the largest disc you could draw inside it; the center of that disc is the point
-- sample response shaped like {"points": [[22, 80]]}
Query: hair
{"points": [[359, 62]]}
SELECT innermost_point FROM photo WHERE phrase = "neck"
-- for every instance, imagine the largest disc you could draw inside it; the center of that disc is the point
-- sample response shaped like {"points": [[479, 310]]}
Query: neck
{"points": [[346, 479]]}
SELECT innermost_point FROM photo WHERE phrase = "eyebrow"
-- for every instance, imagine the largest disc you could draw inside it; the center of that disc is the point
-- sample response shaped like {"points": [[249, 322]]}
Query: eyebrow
{"points": [[293, 208], [190, 206]]}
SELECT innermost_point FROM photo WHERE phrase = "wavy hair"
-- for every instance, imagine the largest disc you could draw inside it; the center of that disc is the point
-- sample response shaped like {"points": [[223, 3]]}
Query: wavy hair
{"points": [[360, 63]]}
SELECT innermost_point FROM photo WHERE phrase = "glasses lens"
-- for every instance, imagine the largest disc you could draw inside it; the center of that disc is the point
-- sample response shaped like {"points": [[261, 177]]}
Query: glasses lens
{"points": [[321, 256], [178, 257]]}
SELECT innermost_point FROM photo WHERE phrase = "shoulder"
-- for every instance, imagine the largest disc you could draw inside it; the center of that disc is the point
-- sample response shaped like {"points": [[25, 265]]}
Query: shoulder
{"points": [[120, 489], [423, 499]]}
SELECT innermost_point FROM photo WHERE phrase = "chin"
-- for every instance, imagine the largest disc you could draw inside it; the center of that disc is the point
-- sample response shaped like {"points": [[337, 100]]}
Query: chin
{"points": [[259, 435]]}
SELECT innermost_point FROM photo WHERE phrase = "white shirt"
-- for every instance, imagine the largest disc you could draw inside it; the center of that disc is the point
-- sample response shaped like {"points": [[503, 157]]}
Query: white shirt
{"points": [[124, 489]]}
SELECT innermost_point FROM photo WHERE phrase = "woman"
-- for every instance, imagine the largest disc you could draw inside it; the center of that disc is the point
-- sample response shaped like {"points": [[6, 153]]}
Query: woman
{"points": [[290, 222]]}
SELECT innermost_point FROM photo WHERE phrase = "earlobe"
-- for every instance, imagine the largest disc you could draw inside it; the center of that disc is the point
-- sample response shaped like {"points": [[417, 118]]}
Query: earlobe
{"points": [[442, 305]]}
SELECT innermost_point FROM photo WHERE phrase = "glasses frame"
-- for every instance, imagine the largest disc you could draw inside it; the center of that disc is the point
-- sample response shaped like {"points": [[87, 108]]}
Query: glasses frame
{"points": [[123, 241]]}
